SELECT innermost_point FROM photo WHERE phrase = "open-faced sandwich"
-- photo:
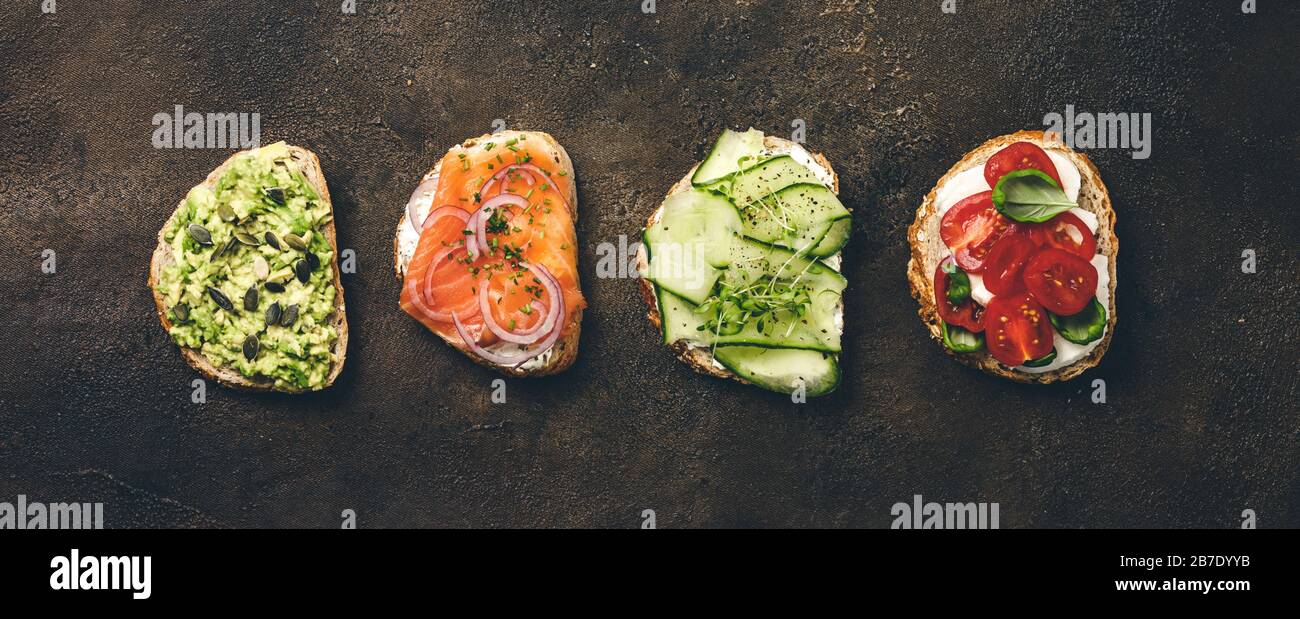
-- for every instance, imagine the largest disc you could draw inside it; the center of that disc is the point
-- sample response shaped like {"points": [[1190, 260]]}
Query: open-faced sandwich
{"points": [[487, 253], [245, 276], [1013, 260], [740, 265]]}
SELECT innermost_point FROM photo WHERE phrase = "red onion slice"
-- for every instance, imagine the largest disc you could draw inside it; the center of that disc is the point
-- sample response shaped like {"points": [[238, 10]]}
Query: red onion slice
{"points": [[444, 211], [418, 297], [536, 332], [535, 172], [471, 240], [427, 186], [522, 356], [484, 214]]}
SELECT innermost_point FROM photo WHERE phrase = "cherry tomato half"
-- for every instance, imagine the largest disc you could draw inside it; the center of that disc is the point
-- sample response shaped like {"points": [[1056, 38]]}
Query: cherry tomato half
{"points": [[1006, 261], [1016, 329], [971, 227], [1019, 156], [967, 315], [1063, 282], [1065, 231]]}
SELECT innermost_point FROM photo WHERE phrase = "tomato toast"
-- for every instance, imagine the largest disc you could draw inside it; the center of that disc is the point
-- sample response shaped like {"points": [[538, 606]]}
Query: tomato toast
{"points": [[487, 253], [1013, 260]]}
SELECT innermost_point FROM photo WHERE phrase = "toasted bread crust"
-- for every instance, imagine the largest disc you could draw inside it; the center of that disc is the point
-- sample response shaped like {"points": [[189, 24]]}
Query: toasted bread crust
{"points": [[701, 359], [230, 377], [928, 250], [566, 348]]}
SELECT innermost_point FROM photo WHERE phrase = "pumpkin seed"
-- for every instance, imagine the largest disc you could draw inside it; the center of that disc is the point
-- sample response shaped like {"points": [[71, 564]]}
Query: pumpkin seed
{"points": [[260, 267], [220, 299], [274, 287], [247, 239], [273, 240], [200, 234], [273, 314], [226, 213], [289, 316], [250, 299], [313, 261], [181, 312], [224, 249], [275, 194], [302, 270], [296, 242], [250, 347]]}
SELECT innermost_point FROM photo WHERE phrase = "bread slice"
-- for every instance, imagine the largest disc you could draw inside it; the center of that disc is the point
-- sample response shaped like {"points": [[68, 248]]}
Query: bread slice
{"points": [[701, 359], [565, 350], [162, 256], [928, 249]]}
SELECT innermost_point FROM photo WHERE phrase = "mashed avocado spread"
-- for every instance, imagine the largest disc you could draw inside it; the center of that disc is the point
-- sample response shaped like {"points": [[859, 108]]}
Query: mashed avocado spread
{"points": [[251, 285]]}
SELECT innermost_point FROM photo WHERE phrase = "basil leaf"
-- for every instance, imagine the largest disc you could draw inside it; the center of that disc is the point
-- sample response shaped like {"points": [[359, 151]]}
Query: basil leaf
{"points": [[958, 283], [1083, 328], [958, 339], [1042, 361], [1030, 195]]}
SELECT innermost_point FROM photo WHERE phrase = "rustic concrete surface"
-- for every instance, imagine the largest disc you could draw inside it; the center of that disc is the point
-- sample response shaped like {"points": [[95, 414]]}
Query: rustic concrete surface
{"points": [[1201, 420]]}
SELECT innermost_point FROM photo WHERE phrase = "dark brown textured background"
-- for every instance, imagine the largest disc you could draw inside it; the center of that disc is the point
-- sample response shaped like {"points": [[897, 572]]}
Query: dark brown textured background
{"points": [[1201, 422]]}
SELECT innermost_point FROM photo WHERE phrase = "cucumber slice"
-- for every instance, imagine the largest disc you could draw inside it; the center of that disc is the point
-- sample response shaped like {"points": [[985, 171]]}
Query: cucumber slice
{"points": [[782, 370], [690, 242], [681, 272], [733, 151], [751, 260], [677, 318], [798, 216], [681, 320], [770, 368], [754, 263], [699, 221], [958, 339], [767, 178], [837, 236], [1045, 360]]}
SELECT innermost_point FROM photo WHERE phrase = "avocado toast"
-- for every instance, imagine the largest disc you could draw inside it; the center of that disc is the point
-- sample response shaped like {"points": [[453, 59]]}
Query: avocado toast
{"points": [[245, 276], [740, 265]]}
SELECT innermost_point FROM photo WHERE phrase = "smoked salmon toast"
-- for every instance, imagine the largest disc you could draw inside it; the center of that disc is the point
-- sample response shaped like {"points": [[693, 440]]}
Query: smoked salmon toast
{"points": [[487, 253]]}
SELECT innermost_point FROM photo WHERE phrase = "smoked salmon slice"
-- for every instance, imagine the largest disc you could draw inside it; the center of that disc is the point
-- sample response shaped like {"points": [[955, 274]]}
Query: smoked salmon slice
{"points": [[498, 251]]}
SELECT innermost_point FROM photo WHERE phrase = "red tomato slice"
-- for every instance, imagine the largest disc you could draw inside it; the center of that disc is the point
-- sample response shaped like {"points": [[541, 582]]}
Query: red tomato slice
{"points": [[1017, 330], [967, 315], [1005, 262], [1065, 231], [1019, 156], [1063, 282], [971, 227]]}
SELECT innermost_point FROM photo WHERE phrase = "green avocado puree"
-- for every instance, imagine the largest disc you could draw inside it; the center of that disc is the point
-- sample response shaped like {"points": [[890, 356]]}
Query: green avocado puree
{"points": [[262, 191]]}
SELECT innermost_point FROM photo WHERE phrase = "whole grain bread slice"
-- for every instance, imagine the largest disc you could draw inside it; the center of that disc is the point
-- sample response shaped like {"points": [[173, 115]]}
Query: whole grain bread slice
{"points": [[565, 350], [928, 250], [162, 256], [701, 359]]}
